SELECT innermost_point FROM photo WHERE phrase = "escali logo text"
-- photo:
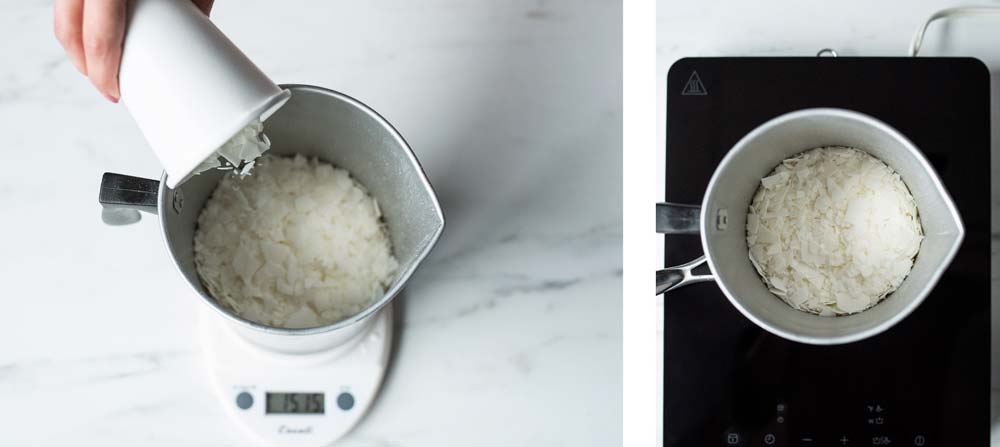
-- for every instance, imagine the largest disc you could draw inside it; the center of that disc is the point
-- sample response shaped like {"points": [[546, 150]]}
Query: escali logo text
{"points": [[286, 430]]}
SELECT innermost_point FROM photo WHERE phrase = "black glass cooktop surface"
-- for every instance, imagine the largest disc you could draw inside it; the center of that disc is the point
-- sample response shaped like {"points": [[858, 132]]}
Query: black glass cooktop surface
{"points": [[924, 382]]}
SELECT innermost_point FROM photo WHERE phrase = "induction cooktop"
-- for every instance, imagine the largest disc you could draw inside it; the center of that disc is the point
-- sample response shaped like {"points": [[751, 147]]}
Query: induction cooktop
{"points": [[924, 382]]}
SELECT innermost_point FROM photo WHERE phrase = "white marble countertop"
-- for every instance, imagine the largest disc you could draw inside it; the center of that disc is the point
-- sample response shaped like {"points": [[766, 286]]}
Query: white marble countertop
{"points": [[853, 28], [509, 335]]}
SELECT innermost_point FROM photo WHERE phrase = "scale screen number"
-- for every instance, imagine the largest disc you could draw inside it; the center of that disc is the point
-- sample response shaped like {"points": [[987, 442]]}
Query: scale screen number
{"points": [[295, 403]]}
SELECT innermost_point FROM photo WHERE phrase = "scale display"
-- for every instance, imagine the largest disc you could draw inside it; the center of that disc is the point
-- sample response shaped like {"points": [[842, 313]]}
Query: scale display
{"points": [[295, 403]]}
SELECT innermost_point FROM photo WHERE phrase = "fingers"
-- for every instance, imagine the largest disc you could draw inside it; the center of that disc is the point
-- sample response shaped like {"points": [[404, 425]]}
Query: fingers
{"points": [[103, 30], [204, 5], [68, 28], [91, 32]]}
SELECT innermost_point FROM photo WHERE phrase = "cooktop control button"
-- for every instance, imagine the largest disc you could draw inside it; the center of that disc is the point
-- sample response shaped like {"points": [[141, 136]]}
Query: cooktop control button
{"points": [[769, 439], [881, 440], [734, 439], [919, 440], [807, 441]]}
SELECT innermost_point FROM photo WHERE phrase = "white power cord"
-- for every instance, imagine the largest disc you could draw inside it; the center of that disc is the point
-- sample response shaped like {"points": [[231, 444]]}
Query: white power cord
{"points": [[964, 11]]}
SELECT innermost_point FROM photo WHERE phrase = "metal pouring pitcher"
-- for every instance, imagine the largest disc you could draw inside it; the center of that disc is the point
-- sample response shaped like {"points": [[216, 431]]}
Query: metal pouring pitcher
{"points": [[720, 220], [315, 122]]}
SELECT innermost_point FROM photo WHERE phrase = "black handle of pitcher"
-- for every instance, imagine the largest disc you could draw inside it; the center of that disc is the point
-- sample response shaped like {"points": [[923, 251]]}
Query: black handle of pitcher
{"points": [[123, 196], [676, 218]]}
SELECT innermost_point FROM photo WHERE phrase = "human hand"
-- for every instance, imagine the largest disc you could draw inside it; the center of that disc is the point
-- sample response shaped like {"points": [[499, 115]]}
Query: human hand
{"points": [[91, 32]]}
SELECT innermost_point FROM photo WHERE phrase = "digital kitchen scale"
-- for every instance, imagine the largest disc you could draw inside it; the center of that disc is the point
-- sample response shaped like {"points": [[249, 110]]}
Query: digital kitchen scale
{"points": [[924, 382], [296, 400]]}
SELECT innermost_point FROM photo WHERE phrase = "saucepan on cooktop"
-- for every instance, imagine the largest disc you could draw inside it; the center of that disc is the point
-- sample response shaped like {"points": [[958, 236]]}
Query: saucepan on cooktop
{"points": [[822, 226]]}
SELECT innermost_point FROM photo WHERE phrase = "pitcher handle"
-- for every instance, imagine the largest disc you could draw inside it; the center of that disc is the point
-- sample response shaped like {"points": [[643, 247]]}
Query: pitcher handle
{"points": [[675, 277], [676, 218], [123, 196]]}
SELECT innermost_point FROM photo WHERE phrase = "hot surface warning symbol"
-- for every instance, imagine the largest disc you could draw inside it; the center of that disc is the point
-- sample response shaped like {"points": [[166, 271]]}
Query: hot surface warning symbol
{"points": [[694, 87]]}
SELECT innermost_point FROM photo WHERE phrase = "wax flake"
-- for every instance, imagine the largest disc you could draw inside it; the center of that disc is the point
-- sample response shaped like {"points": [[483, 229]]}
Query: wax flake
{"points": [[833, 230], [297, 244]]}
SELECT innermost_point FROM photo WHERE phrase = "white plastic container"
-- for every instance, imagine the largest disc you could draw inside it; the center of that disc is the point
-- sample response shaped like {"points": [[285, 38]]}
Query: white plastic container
{"points": [[188, 87]]}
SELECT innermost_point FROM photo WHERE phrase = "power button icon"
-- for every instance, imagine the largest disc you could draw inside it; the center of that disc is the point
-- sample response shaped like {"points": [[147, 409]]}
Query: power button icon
{"points": [[769, 439]]}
